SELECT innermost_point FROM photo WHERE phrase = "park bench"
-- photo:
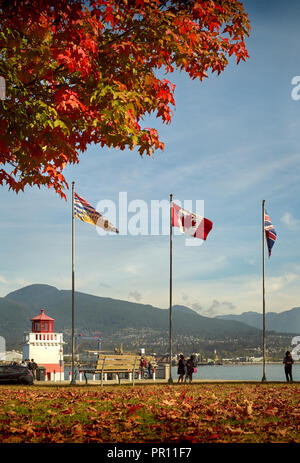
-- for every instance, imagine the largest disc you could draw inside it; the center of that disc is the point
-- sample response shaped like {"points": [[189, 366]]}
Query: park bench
{"points": [[114, 363]]}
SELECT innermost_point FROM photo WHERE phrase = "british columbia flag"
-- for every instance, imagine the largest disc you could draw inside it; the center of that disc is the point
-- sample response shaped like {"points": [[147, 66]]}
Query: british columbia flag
{"points": [[271, 234], [85, 212]]}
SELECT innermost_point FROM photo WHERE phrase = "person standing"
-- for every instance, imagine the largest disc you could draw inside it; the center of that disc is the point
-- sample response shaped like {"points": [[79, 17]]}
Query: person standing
{"points": [[181, 368], [150, 369], [190, 365], [33, 368], [288, 363], [142, 366]]}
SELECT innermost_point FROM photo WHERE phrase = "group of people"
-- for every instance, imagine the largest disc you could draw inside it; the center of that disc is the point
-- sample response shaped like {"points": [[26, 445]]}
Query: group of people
{"points": [[31, 365], [146, 366], [186, 368]]}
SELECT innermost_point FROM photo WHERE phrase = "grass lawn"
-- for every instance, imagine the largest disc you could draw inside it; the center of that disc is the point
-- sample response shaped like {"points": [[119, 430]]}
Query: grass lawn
{"points": [[205, 413]]}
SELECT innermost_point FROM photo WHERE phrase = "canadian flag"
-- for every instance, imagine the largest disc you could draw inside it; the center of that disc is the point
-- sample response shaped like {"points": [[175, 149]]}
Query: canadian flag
{"points": [[192, 224]]}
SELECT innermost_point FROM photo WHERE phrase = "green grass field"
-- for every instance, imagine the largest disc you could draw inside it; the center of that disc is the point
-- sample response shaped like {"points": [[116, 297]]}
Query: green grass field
{"points": [[205, 413]]}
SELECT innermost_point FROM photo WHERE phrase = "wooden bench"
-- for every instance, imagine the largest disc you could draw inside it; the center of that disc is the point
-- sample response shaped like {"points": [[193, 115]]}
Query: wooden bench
{"points": [[114, 363]]}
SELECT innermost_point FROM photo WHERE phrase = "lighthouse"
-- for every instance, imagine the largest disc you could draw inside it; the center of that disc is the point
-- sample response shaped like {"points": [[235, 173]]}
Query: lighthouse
{"points": [[45, 346]]}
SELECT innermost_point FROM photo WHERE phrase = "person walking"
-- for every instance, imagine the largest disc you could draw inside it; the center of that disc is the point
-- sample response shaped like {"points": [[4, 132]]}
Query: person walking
{"points": [[190, 366], [288, 363], [181, 368]]}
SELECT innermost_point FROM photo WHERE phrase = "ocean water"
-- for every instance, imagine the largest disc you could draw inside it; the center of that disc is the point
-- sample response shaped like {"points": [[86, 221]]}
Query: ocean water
{"points": [[274, 372]]}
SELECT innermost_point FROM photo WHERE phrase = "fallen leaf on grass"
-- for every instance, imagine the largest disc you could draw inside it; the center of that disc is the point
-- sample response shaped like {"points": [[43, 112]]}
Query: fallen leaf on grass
{"points": [[169, 402], [233, 430], [28, 429], [249, 408], [214, 436], [51, 412], [271, 411], [92, 409], [130, 424], [14, 430], [78, 429], [133, 409], [282, 432], [67, 411]]}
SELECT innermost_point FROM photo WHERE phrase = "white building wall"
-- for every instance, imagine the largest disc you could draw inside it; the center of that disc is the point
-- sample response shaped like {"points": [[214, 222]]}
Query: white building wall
{"points": [[43, 350]]}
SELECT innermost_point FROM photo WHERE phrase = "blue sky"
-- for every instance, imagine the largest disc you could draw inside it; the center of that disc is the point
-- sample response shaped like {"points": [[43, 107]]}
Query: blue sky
{"points": [[234, 140]]}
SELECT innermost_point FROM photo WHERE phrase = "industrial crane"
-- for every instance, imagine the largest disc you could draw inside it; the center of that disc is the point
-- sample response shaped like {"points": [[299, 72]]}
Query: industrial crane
{"points": [[90, 338]]}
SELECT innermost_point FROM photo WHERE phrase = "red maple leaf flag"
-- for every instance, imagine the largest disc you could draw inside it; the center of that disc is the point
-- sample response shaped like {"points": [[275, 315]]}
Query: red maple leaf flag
{"points": [[192, 224]]}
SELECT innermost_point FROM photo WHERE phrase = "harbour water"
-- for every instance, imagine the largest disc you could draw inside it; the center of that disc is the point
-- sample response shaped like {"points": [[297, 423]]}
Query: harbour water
{"points": [[245, 372], [240, 372]]}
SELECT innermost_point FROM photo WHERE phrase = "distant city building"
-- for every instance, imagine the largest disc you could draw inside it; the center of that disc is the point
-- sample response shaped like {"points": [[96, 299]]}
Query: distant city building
{"points": [[45, 346], [256, 359], [13, 356]]}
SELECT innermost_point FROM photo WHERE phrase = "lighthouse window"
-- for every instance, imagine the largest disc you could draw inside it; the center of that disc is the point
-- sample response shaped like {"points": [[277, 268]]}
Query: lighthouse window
{"points": [[47, 337], [36, 326], [44, 337], [40, 337], [36, 337], [51, 337], [44, 326]]}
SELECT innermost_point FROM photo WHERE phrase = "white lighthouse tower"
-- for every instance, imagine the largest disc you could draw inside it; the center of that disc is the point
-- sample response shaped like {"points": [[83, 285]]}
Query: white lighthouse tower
{"points": [[44, 346]]}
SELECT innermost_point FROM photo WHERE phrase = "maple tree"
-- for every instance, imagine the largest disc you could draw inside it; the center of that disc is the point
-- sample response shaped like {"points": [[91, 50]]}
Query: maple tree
{"points": [[81, 72]]}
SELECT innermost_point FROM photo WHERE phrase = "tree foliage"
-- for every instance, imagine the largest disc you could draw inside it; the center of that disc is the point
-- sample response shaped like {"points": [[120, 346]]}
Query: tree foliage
{"points": [[80, 72]]}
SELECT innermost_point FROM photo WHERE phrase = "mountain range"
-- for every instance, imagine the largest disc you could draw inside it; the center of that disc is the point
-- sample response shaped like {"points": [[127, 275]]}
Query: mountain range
{"points": [[117, 319], [106, 315], [283, 322]]}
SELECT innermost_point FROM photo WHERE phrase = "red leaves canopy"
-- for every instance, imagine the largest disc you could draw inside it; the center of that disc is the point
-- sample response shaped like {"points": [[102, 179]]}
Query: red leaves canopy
{"points": [[81, 72]]}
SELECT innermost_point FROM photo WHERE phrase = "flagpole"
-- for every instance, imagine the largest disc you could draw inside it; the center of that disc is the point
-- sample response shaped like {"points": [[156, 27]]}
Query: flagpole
{"points": [[73, 381], [170, 309], [264, 302]]}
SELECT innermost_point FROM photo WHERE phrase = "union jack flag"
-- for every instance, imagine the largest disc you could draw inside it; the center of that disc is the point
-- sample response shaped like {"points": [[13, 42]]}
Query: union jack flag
{"points": [[271, 234]]}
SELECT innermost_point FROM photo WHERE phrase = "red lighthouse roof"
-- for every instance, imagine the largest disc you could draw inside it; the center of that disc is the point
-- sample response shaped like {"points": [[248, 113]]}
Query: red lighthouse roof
{"points": [[42, 316], [42, 323]]}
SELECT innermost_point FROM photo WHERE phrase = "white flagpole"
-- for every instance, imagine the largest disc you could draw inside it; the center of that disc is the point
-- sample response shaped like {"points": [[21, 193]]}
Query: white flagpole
{"points": [[170, 308], [264, 302], [73, 381]]}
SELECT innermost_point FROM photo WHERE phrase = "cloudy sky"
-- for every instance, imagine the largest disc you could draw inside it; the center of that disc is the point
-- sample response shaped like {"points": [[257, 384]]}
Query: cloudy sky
{"points": [[234, 141]]}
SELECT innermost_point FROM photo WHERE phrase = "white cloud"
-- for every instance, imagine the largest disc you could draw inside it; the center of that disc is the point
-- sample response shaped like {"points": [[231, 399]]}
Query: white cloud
{"points": [[278, 283], [136, 295], [22, 282], [131, 269], [215, 308], [3, 280], [290, 221]]}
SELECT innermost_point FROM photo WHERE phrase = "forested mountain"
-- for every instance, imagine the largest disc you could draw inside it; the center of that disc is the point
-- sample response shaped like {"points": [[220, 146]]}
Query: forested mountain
{"points": [[111, 317]]}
